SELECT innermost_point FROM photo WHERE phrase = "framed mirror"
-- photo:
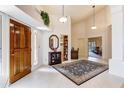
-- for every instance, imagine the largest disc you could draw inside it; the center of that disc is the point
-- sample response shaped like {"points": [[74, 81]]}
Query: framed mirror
{"points": [[53, 42]]}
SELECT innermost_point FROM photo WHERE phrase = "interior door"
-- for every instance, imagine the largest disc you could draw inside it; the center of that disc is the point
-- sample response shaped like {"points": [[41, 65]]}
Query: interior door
{"points": [[20, 50]]}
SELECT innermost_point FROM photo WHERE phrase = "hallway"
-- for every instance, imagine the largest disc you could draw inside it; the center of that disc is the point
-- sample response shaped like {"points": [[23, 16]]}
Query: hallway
{"points": [[91, 54], [47, 77]]}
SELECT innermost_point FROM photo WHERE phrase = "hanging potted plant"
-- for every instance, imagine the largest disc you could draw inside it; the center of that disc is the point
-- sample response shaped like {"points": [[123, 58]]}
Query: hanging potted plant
{"points": [[45, 18]]}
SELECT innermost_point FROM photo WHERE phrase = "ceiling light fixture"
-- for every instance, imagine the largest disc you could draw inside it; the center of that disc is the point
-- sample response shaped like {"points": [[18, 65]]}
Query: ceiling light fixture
{"points": [[93, 26], [63, 19]]}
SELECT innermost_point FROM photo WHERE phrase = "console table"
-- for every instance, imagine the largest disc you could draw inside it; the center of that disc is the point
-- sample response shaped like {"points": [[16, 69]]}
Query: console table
{"points": [[54, 58]]}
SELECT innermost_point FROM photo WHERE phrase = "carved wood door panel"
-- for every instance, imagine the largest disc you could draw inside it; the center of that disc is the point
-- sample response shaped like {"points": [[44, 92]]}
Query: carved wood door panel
{"points": [[20, 50]]}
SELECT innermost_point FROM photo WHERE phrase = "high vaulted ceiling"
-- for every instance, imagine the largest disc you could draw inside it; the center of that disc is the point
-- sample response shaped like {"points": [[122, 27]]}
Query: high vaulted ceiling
{"points": [[76, 12]]}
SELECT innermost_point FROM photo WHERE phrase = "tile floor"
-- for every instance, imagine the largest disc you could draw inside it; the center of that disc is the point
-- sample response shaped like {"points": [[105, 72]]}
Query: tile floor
{"points": [[47, 77], [91, 54]]}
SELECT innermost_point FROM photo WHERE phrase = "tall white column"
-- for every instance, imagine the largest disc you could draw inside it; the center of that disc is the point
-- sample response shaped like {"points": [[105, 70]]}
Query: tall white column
{"points": [[116, 64]]}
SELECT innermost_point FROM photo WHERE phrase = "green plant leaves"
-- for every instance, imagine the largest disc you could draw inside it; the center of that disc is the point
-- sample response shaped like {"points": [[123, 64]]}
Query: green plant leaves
{"points": [[45, 18]]}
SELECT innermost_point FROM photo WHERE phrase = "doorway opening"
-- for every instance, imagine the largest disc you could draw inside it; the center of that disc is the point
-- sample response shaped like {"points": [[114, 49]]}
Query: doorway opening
{"points": [[95, 47]]}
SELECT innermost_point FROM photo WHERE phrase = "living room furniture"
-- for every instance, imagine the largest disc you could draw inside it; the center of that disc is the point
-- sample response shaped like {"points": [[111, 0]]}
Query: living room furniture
{"points": [[74, 53], [65, 47], [97, 50], [54, 58]]}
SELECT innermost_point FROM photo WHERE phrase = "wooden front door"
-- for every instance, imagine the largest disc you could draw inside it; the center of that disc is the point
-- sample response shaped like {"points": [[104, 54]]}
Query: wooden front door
{"points": [[20, 50]]}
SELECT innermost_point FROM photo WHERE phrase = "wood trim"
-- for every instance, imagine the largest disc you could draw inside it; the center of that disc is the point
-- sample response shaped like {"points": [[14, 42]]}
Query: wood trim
{"points": [[20, 50]]}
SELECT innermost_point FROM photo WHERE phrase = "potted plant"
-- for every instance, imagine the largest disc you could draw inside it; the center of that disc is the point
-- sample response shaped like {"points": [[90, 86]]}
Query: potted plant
{"points": [[45, 18]]}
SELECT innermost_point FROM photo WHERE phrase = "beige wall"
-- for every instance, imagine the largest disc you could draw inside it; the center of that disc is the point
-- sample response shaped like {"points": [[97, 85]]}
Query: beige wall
{"points": [[78, 31], [82, 31]]}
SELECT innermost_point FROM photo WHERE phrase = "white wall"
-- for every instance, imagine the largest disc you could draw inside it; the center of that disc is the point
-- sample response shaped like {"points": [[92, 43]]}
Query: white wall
{"points": [[116, 64], [42, 43], [82, 31], [5, 50], [57, 29], [37, 48], [34, 13], [31, 10], [0, 31], [0, 47]]}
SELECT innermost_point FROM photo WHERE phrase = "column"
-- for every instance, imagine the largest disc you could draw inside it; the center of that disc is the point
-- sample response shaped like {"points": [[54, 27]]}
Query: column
{"points": [[116, 64]]}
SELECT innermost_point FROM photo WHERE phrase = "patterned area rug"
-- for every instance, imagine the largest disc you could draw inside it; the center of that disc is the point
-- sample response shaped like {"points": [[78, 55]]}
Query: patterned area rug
{"points": [[80, 71]]}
